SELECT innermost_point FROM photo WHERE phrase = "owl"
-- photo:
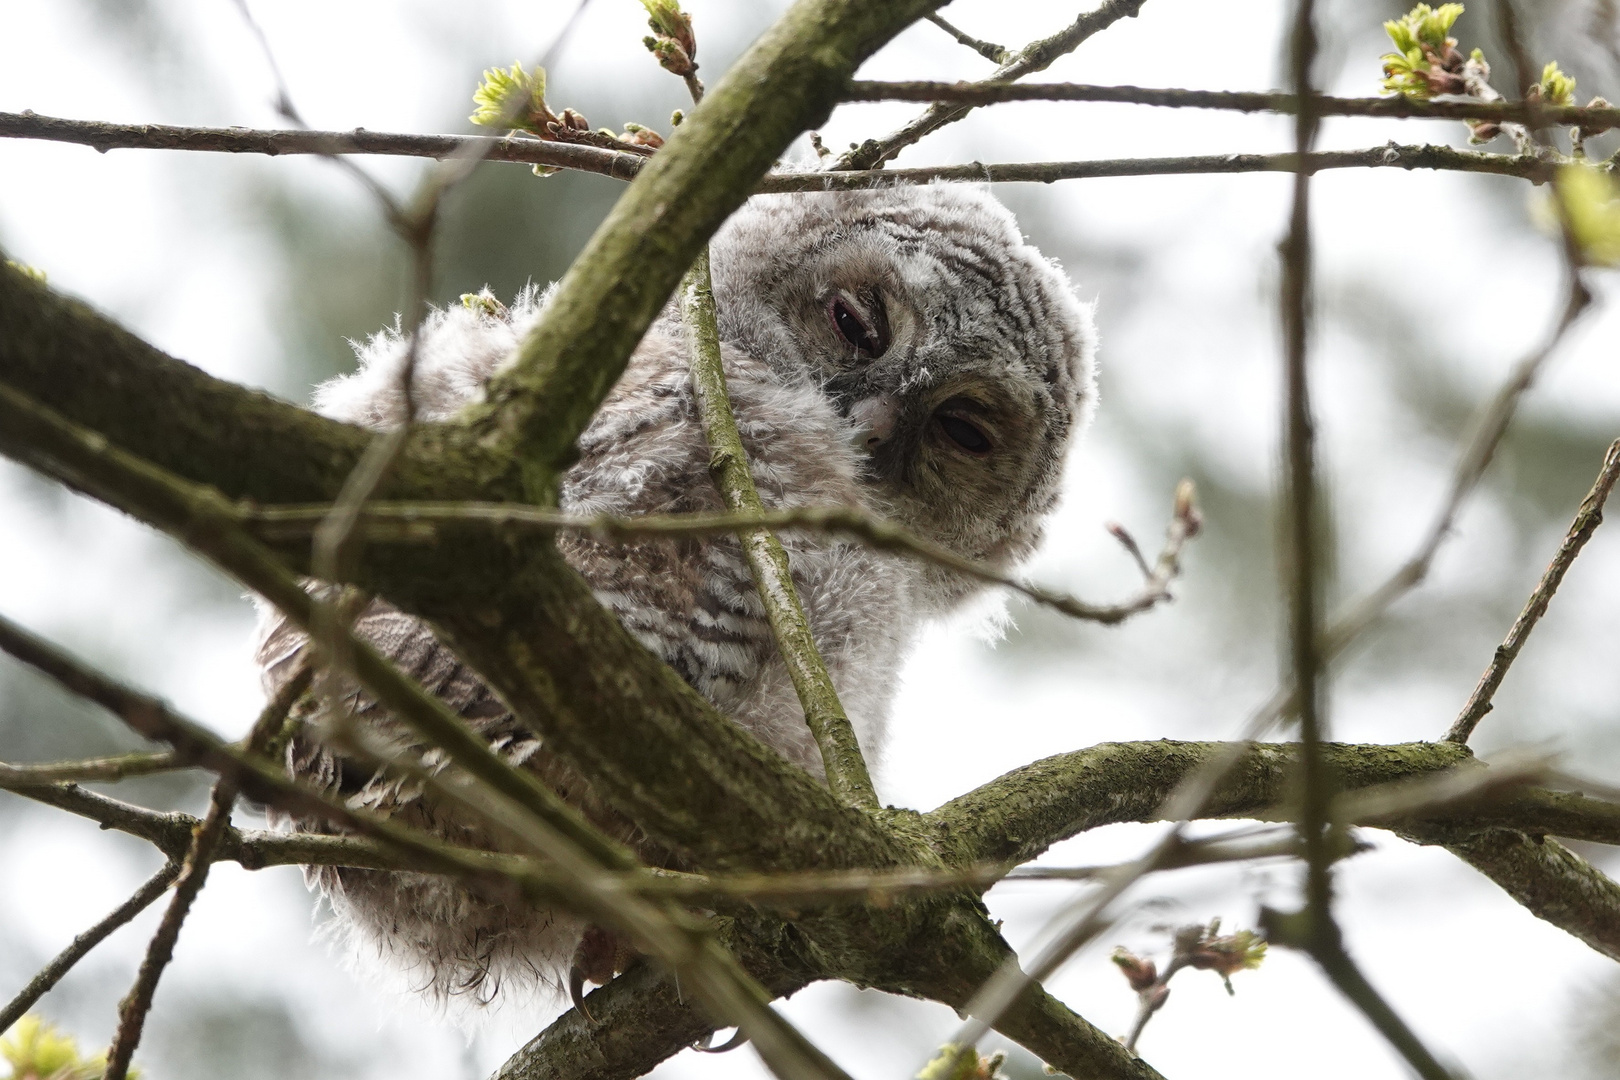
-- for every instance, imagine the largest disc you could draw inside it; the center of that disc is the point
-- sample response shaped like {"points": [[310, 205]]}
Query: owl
{"points": [[901, 351]]}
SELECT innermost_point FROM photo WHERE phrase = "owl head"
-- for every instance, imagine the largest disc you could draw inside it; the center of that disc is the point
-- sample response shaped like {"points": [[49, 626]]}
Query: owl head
{"points": [[958, 353]]}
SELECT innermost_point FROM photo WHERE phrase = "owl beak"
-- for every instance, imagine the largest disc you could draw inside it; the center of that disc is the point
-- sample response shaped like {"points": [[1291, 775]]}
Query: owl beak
{"points": [[872, 421]]}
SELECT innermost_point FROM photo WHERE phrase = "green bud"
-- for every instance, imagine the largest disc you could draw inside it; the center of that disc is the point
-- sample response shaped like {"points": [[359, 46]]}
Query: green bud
{"points": [[1555, 87], [512, 98], [668, 21]]}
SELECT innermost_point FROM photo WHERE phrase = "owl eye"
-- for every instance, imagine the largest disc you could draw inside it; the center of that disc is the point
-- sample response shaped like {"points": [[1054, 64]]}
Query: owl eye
{"points": [[963, 432], [871, 341]]}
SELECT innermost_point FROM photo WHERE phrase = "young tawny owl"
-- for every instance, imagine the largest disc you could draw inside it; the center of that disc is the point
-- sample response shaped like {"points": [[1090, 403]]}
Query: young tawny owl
{"points": [[903, 351]]}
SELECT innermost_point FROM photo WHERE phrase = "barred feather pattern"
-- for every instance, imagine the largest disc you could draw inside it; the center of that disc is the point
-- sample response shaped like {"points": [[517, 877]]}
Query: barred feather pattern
{"points": [[973, 311]]}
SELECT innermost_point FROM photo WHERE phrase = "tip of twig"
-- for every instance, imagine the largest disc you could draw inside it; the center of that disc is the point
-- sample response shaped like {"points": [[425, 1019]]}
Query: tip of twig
{"points": [[1128, 542], [1186, 507]]}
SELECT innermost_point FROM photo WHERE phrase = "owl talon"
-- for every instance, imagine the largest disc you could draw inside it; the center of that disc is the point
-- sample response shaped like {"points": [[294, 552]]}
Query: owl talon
{"points": [[703, 1045], [576, 990]]}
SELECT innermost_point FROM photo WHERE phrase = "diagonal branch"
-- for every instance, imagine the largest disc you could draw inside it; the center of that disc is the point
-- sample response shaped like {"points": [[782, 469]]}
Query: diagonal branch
{"points": [[1550, 880], [205, 839], [1587, 519], [660, 930], [996, 54], [841, 758], [80, 947]]}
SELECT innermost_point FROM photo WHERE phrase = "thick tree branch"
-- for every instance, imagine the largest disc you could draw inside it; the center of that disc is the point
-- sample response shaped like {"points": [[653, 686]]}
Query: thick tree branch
{"points": [[63, 355], [692, 779], [1034, 1019], [642, 1017], [1550, 880]]}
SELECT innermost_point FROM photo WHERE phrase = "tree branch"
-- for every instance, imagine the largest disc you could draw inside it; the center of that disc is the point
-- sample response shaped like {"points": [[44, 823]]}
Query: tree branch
{"points": [[996, 54], [431, 523], [1551, 881], [93, 770], [246, 140], [1587, 519], [990, 92], [1036, 56], [80, 947], [1419, 156], [659, 930], [205, 839], [104, 136], [841, 758]]}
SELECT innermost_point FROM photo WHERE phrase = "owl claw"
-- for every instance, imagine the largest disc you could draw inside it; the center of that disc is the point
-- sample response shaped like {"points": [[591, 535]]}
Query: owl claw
{"points": [[576, 990], [703, 1046]]}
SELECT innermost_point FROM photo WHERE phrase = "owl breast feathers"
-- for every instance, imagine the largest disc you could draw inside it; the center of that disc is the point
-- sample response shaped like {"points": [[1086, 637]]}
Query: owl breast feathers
{"points": [[901, 351]]}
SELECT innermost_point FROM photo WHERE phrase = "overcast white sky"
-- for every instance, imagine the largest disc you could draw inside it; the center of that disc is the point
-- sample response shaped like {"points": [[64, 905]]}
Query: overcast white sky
{"points": [[1190, 357]]}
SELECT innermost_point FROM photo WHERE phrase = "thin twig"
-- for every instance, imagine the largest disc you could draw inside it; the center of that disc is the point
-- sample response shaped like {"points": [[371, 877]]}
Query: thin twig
{"points": [[132, 1010], [64, 961], [104, 136], [1313, 927], [846, 770], [996, 54], [624, 166], [1300, 494], [1399, 107], [1036, 56], [1587, 519], [425, 522], [94, 770]]}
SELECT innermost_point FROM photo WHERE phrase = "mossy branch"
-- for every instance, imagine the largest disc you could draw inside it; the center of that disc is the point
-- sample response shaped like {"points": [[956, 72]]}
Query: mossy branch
{"points": [[644, 739], [574, 879], [846, 770]]}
